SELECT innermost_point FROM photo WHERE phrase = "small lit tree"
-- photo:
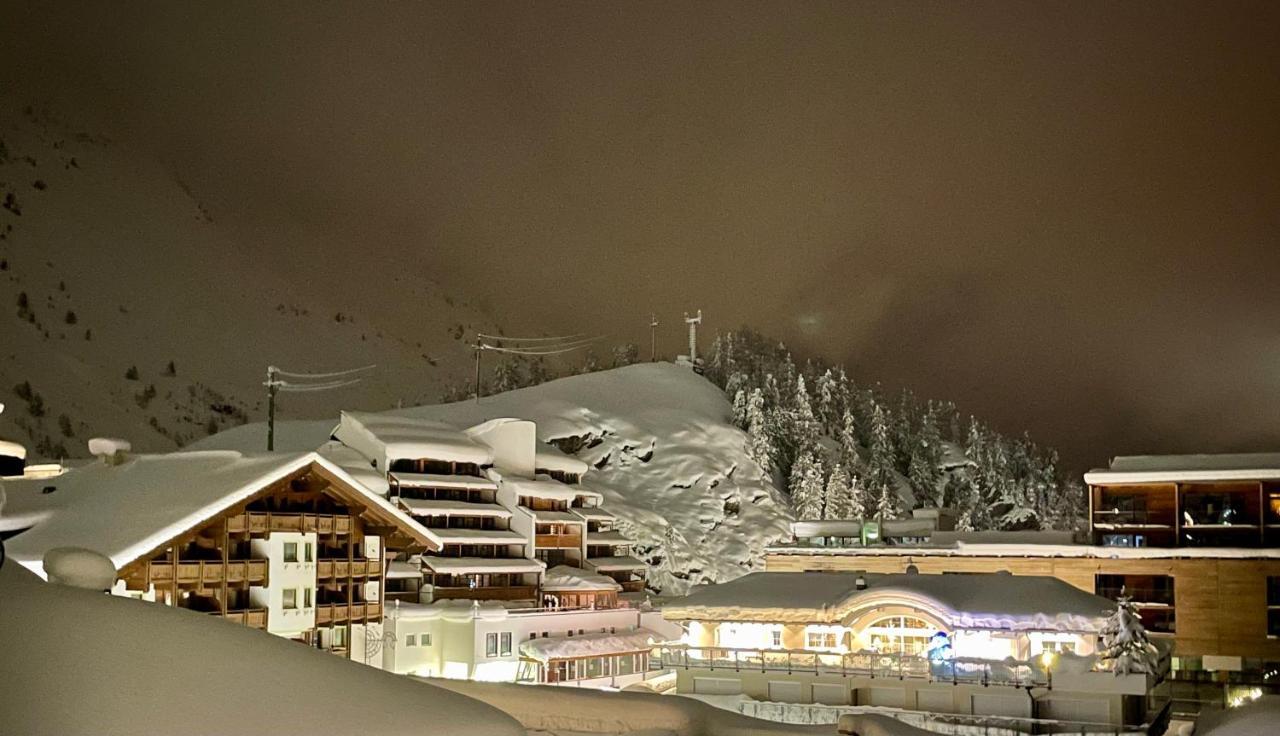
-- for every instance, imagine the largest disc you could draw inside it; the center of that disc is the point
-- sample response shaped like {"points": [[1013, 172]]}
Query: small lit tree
{"points": [[1125, 647]]}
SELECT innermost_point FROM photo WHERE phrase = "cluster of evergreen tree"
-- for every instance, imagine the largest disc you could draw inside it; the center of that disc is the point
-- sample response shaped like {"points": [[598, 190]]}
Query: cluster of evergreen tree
{"points": [[844, 451]]}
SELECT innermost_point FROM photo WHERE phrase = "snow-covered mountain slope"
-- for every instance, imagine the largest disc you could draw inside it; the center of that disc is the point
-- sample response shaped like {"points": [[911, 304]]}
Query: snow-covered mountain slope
{"points": [[670, 464], [108, 262]]}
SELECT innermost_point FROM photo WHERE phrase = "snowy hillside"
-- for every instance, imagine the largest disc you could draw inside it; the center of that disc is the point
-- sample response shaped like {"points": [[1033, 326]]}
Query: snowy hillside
{"points": [[670, 464], [111, 266]]}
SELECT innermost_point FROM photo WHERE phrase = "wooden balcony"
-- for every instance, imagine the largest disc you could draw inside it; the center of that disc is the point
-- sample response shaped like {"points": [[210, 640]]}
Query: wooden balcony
{"points": [[265, 522], [252, 617], [330, 613], [208, 572], [329, 569], [558, 541], [632, 586], [513, 593]]}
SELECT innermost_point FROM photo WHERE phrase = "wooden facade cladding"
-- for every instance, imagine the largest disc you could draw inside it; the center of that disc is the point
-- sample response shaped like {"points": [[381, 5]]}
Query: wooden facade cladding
{"points": [[1220, 603], [212, 567], [558, 541]]}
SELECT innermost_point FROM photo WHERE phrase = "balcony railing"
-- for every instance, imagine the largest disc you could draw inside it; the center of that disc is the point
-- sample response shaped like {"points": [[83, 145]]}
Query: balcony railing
{"points": [[511, 593], [326, 569], [327, 613], [208, 572], [263, 522], [895, 666], [561, 541], [253, 617]]}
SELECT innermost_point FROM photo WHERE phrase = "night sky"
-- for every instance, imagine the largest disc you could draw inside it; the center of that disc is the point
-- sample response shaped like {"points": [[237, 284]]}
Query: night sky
{"points": [[1065, 217]]}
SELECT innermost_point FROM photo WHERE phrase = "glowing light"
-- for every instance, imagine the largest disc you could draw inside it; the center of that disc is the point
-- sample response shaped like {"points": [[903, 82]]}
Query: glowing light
{"points": [[1047, 659], [1246, 696]]}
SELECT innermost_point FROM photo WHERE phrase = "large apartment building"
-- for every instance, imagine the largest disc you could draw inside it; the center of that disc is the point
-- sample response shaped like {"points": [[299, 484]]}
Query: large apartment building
{"points": [[531, 579], [1192, 539]]}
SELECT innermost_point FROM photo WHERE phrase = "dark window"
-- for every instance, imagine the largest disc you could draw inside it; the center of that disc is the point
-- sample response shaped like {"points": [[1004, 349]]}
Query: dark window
{"points": [[1273, 606]]}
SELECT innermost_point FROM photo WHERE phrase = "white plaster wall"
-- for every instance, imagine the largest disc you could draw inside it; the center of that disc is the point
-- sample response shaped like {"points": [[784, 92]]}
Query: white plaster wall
{"points": [[281, 575]]}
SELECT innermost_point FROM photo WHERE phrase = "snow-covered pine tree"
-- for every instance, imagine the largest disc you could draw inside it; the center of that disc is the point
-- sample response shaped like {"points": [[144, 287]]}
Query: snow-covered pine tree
{"points": [[740, 409], [507, 376], [848, 439], [881, 480], [1125, 648], [839, 495], [827, 411], [857, 497], [759, 437], [806, 486], [888, 505]]}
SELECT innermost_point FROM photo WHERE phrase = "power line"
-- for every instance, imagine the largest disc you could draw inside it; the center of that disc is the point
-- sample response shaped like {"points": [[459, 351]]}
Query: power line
{"points": [[334, 374], [530, 339]]}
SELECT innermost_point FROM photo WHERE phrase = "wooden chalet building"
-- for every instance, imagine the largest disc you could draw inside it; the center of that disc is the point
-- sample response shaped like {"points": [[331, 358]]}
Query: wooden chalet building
{"points": [[287, 543]]}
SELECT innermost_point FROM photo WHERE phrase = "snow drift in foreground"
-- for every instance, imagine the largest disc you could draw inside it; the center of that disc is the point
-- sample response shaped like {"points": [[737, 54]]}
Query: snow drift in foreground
{"points": [[80, 662], [1259, 718], [670, 464]]}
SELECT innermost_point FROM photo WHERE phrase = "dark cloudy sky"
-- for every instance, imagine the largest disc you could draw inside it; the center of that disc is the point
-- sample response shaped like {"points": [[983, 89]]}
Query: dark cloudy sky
{"points": [[1063, 216]]}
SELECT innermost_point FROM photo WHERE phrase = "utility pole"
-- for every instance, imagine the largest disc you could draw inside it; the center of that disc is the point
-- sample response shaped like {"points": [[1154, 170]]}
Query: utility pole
{"points": [[653, 338], [478, 348], [273, 386]]}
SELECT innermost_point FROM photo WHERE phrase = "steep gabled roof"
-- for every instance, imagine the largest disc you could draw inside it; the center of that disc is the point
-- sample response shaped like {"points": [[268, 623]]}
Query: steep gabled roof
{"points": [[129, 510]]}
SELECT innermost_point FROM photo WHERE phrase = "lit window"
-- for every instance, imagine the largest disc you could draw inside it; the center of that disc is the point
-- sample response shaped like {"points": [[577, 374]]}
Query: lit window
{"points": [[309, 552], [820, 639], [506, 643], [900, 635], [290, 551], [411, 641], [490, 645], [291, 598], [339, 637], [306, 597]]}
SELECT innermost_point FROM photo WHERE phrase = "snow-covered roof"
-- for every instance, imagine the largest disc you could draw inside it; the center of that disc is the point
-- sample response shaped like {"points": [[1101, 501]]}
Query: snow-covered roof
{"points": [[399, 569], [594, 514], [131, 668], [612, 536], [476, 536], [589, 645], [12, 449], [357, 466], [914, 527], [962, 601], [549, 457], [460, 565], [388, 437], [545, 487], [565, 577], [564, 517], [622, 562], [1023, 549], [436, 480], [125, 511], [440, 507], [1187, 468]]}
